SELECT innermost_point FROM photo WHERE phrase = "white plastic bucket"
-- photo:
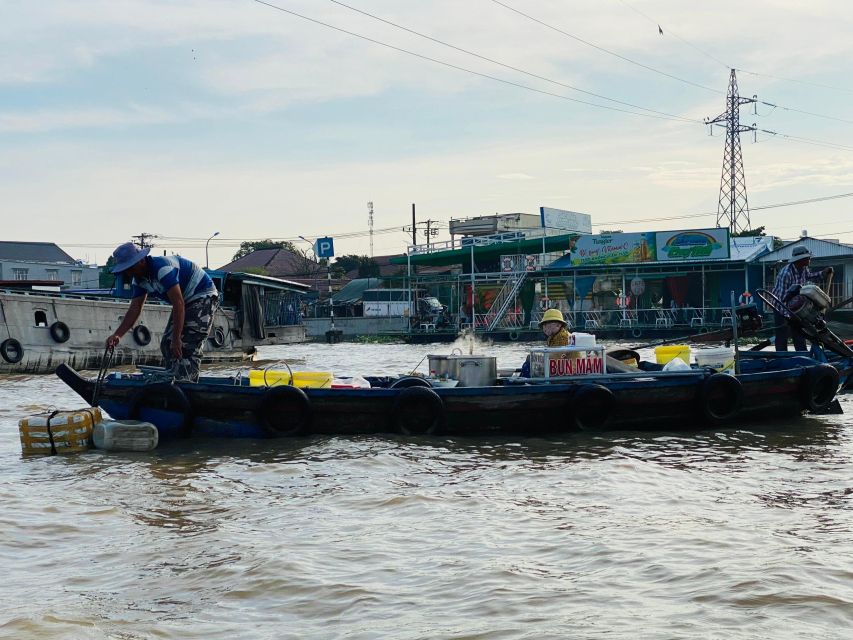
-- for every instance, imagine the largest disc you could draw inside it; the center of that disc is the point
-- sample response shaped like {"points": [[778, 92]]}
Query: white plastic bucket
{"points": [[583, 340], [720, 358]]}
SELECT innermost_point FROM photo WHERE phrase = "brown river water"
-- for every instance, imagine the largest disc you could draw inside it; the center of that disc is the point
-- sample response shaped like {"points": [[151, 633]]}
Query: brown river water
{"points": [[744, 532]]}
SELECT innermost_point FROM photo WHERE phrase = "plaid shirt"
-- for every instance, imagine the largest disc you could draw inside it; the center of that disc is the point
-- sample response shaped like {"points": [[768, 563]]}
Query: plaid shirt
{"points": [[790, 275]]}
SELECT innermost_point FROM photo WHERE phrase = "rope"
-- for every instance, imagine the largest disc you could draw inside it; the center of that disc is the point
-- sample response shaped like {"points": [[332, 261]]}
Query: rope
{"points": [[106, 362], [50, 433]]}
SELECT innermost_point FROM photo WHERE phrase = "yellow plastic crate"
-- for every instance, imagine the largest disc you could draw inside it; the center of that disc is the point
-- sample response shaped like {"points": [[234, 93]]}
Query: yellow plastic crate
{"points": [[47, 434], [304, 379]]}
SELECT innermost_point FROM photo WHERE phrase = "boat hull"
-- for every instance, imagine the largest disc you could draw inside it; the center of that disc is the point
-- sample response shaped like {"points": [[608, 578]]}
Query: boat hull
{"points": [[221, 407]]}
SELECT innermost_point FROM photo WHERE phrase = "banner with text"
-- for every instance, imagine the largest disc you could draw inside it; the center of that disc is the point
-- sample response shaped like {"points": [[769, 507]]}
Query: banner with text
{"points": [[613, 248], [696, 244]]}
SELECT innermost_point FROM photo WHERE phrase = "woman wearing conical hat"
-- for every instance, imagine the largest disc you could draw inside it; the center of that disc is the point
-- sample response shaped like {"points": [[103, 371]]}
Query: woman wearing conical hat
{"points": [[555, 329]]}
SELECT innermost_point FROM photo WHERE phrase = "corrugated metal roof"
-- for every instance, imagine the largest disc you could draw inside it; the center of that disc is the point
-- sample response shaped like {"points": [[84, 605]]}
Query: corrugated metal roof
{"points": [[33, 252], [818, 248]]}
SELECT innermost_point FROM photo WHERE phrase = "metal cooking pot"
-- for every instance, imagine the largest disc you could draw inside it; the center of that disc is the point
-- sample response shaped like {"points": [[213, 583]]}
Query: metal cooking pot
{"points": [[445, 366], [477, 371]]}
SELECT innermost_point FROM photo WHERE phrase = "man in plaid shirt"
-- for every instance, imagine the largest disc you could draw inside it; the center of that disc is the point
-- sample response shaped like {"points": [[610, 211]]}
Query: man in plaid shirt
{"points": [[796, 272]]}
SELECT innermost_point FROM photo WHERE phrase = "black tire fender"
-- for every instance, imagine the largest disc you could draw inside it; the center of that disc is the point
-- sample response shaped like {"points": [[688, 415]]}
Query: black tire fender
{"points": [[217, 337], [418, 411], [285, 411], [818, 387], [11, 351], [142, 335], [162, 395], [513, 336], [591, 406], [60, 332], [407, 382], [636, 332], [720, 397]]}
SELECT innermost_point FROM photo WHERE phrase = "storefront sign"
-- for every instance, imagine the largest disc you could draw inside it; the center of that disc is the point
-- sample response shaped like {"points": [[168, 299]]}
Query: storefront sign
{"points": [[565, 220], [697, 244], [614, 248]]}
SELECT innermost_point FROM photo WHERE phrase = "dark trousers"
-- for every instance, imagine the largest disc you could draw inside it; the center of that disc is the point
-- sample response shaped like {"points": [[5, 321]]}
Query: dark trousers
{"points": [[782, 332], [198, 319]]}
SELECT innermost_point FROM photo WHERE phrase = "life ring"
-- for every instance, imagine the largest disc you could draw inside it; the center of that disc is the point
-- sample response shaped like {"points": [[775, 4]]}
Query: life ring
{"points": [[217, 337], [165, 396], [591, 407], [513, 336], [406, 382], [418, 411], [142, 335], [11, 351], [636, 332], [720, 397], [745, 298], [819, 386], [285, 411], [60, 332]]}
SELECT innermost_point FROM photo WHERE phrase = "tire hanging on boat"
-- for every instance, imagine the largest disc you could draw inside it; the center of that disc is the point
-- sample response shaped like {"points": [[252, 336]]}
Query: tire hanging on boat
{"points": [[418, 411], [591, 406], [407, 382], [163, 396], [720, 397], [285, 411], [217, 337], [142, 335], [636, 332], [513, 336], [60, 332], [819, 386], [11, 351]]}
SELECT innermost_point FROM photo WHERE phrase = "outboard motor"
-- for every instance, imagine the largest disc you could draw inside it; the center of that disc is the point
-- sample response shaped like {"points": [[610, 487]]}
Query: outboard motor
{"points": [[808, 304]]}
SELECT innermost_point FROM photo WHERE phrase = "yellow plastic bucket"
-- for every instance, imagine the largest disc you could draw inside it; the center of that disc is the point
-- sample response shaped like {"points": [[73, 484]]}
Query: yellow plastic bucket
{"points": [[303, 379], [58, 432], [666, 353]]}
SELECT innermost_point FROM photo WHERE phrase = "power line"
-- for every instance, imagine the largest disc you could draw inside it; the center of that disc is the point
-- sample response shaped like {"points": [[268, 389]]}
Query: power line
{"points": [[607, 51], [717, 60], [808, 113], [714, 213], [675, 35], [459, 68], [806, 82], [505, 65]]}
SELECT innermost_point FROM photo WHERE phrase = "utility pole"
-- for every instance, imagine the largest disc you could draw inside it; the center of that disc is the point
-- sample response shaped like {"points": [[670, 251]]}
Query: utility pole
{"points": [[430, 231], [142, 240], [733, 207]]}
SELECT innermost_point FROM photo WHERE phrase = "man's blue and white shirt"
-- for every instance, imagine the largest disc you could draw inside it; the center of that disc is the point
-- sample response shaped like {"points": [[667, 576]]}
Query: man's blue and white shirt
{"points": [[164, 272]]}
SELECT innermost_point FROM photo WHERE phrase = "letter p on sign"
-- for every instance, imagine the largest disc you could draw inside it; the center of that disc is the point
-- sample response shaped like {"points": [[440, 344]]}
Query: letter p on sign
{"points": [[324, 247]]}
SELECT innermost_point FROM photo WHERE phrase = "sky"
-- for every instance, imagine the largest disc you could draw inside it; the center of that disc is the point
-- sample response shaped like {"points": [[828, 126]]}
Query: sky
{"points": [[182, 118]]}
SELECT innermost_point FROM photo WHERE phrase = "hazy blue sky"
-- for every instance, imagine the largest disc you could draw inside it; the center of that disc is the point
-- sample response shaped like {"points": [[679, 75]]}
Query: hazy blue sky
{"points": [[182, 118]]}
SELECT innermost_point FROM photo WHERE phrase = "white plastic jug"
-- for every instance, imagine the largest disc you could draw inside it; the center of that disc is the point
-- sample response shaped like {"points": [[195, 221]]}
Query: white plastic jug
{"points": [[125, 435]]}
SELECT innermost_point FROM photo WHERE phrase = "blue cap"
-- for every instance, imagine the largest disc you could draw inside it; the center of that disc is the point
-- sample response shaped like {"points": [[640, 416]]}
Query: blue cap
{"points": [[126, 255]]}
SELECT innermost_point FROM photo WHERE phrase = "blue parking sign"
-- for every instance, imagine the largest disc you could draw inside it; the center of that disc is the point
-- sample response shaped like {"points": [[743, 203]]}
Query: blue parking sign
{"points": [[324, 247]]}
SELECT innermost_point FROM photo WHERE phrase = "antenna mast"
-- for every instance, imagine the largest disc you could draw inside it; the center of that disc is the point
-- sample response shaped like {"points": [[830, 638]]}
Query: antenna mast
{"points": [[370, 225], [733, 207]]}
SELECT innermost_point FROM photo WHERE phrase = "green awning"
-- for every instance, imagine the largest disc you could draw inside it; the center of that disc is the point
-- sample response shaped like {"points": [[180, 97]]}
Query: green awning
{"points": [[489, 251], [352, 291]]}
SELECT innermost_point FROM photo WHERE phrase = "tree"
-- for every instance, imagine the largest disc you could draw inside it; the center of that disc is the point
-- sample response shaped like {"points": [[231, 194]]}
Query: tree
{"points": [[367, 267], [106, 279], [253, 245], [748, 233], [346, 263]]}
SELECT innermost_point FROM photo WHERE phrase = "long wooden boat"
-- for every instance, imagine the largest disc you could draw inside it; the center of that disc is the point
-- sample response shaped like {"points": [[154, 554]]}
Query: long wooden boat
{"points": [[770, 386]]}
